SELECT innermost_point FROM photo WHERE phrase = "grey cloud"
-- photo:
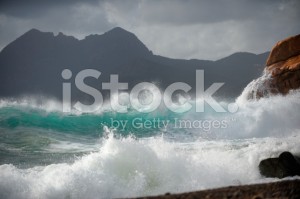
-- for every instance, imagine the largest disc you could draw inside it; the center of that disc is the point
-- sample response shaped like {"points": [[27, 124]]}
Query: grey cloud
{"points": [[35, 8], [179, 12], [79, 19], [203, 29], [208, 29]]}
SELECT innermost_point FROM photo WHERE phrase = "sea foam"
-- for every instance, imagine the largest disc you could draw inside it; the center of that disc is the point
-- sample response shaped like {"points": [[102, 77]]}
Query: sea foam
{"points": [[129, 167]]}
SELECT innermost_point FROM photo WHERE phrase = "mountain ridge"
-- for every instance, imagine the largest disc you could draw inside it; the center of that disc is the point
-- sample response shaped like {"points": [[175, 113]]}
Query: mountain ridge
{"points": [[35, 60]]}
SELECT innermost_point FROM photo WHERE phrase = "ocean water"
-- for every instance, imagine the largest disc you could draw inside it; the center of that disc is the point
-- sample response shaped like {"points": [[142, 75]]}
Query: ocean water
{"points": [[45, 153]]}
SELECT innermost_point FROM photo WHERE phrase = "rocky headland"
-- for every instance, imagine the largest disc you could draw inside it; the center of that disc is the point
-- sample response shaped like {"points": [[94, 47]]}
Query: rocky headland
{"points": [[282, 69]]}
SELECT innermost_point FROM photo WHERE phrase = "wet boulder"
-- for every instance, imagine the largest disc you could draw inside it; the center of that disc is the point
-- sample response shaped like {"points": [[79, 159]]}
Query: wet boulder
{"points": [[285, 165]]}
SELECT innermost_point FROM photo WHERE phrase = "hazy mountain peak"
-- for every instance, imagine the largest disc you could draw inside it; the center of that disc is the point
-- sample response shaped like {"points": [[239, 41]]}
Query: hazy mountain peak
{"points": [[113, 33], [36, 33], [62, 36], [123, 39], [118, 30], [33, 63], [33, 30]]}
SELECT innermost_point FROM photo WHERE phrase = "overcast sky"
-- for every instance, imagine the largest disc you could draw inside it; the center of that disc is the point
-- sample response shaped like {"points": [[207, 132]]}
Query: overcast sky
{"points": [[201, 29]]}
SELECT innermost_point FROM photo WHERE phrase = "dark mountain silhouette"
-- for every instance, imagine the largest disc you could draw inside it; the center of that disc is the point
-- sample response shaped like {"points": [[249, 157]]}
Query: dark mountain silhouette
{"points": [[32, 64]]}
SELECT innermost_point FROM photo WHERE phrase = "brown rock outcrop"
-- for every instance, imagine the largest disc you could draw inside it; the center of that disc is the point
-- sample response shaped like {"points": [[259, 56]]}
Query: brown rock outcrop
{"points": [[284, 65]]}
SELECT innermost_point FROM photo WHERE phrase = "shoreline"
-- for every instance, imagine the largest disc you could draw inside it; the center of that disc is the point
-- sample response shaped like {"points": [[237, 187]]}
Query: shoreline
{"points": [[281, 189]]}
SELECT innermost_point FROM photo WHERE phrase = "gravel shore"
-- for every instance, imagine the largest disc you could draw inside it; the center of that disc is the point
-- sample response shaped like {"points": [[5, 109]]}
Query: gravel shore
{"points": [[282, 189]]}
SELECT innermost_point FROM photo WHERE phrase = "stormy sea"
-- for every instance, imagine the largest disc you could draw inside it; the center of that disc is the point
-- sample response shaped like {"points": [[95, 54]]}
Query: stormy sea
{"points": [[47, 153]]}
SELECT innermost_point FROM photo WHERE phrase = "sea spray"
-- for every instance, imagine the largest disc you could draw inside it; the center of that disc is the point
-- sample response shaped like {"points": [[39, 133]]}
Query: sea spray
{"points": [[257, 88], [128, 167], [49, 154]]}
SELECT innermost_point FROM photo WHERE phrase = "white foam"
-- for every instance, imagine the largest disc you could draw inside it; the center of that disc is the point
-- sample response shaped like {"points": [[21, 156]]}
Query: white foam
{"points": [[135, 167], [43, 103], [130, 167]]}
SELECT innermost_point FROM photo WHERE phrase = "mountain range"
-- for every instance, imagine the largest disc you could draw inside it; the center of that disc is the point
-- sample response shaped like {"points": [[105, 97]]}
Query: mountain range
{"points": [[32, 65]]}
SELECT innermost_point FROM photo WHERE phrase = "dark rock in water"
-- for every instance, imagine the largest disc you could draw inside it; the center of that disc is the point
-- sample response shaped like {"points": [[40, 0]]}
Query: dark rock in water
{"points": [[285, 165]]}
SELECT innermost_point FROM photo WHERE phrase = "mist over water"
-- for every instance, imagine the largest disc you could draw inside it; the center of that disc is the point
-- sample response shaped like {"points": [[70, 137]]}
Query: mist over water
{"points": [[49, 154]]}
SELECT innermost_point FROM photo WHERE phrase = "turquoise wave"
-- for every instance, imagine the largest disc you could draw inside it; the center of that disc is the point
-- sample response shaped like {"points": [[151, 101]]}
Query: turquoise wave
{"points": [[32, 136], [85, 124]]}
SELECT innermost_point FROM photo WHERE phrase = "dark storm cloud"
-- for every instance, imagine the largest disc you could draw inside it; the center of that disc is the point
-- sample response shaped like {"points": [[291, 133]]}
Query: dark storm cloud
{"points": [[76, 18], [204, 11], [208, 29], [176, 28], [207, 11], [34, 8]]}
